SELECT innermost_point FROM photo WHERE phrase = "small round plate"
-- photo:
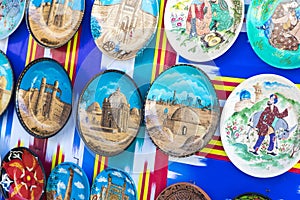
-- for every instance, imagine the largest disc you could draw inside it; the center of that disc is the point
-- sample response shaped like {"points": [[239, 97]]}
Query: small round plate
{"points": [[43, 97], [181, 110], [6, 82], [53, 23], [11, 15], [202, 30], [67, 181], [180, 191], [121, 29], [274, 33], [113, 184], [22, 175], [109, 113], [260, 125], [251, 196]]}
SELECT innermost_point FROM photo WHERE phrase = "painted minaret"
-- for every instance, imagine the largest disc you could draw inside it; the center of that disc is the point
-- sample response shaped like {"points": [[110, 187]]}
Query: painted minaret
{"points": [[257, 92], [69, 187], [40, 103], [53, 98], [51, 13]]}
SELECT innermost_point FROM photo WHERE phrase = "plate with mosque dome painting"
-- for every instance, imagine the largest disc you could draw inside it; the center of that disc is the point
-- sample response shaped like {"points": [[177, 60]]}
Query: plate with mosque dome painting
{"points": [[11, 15], [123, 28], [202, 30], [67, 181], [113, 184], [43, 98], [181, 110], [6, 82], [183, 191], [273, 30], [53, 23], [109, 113], [259, 125]]}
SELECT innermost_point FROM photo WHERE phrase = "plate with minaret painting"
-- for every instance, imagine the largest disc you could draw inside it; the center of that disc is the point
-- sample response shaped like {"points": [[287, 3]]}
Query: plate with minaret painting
{"points": [[202, 30], [43, 97], [181, 110], [11, 16], [273, 30], [52, 23], [123, 28], [113, 184], [67, 181], [109, 112], [6, 82], [22, 175], [259, 125], [251, 196]]}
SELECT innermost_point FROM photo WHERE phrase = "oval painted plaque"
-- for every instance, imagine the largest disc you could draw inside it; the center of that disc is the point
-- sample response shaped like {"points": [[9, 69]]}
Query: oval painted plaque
{"points": [[53, 23], [43, 97]]}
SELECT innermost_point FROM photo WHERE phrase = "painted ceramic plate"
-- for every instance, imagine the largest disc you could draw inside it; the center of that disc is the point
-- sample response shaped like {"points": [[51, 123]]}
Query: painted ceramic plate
{"points": [[109, 113], [113, 184], [6, 82], [67, 181], [121, 29], [181, 110], [259, 126], [11, 15], [202, 30], [251, 196], [274, 33], [43, 97], [53, 23], [180, 191], [22, 175]]}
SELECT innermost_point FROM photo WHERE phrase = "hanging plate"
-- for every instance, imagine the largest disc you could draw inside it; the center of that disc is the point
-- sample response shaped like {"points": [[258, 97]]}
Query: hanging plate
{"points": [[181, 110], [251, 196], [43, 97], [53, 23], [259, 125], [122, 29]]}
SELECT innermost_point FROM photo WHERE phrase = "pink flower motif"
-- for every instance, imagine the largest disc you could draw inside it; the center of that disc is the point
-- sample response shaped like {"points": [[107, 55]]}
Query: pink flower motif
{"points": [[234, 128], [227, 132], [237, 135], [179, 24], [173, 19], [180, 18]]}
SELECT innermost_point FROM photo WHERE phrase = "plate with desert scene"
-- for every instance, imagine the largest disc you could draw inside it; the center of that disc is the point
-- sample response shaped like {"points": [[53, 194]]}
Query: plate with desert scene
{"points": [[183, 191], [259, 125], [273, 30], [109, 113], [251, 196], [67, 181], [22, 175], [11, 16], [43, 97], [123, 28], [202, 30], [6, 82], [113, 184], [52, 23], [181, 110]]}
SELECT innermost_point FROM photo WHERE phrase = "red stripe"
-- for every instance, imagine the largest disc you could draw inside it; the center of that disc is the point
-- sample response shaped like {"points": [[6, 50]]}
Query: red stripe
{"points": [[76, 58], [99, 165], [39, 51], [223, 95], [216, 82], [57, 154], [170, 58], [59, 54], [217, 147], [161, 172]]}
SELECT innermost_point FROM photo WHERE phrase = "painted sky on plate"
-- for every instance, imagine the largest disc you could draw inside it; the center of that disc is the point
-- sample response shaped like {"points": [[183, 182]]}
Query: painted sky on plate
{"points": [[77, 4], [5, 70]]}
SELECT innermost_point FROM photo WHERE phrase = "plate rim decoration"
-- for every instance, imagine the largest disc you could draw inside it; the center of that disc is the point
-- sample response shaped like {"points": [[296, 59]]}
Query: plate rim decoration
{"points": [[217, 110], [78, 121], [250, 194], [234, 128], [206, 55], [19, 81]]}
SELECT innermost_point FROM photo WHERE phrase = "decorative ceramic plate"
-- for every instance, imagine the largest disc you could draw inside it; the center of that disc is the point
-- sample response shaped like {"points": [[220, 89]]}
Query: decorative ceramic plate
{"points": [[273, 32], [181, 110], [53, 23], [67, 181], [113, 184], [6, 82], [43, 97], [22, 175], [251, 196], [202, 30], [181, 191], [109, 113], [259, 125], [121, 29], [11, 15]]}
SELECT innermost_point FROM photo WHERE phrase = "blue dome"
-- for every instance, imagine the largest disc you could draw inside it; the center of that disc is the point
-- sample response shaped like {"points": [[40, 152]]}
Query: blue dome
{"points": [[245, 95]]}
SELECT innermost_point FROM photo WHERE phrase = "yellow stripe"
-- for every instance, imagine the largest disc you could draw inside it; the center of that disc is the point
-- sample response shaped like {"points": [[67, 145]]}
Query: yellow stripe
{"points": [[73, 55], [140, 185], [224, 87], [102, 163], [146, 188], [96, 166], [33, 51], [29, 49], [213, 151], [60, 156], [53, 160], [216, 142], [68, 55], [297, 166], [229, 79], [163, 53]]}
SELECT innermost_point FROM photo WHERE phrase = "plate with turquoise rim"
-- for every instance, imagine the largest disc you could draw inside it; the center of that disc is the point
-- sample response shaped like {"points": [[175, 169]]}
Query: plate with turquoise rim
{"points": [[122, 29], [273, 30], [67, 181], [11, 15], [202, 30], [259, 125]]}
